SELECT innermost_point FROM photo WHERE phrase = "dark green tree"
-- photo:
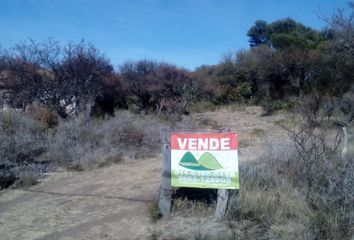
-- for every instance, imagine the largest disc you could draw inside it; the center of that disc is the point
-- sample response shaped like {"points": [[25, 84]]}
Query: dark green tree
{"points": [[259, 34]]}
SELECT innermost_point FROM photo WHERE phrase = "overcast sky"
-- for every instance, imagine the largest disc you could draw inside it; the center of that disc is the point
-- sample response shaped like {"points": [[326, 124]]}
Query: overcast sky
{"points": [[187, 33]]}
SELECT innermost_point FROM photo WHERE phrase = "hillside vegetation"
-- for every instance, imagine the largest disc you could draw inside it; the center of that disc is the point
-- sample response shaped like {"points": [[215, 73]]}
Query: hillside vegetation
{"points": [[66, 106]]}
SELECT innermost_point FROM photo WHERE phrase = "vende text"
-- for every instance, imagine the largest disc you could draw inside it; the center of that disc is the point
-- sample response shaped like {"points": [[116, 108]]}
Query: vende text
{"points": [[223, 141]]}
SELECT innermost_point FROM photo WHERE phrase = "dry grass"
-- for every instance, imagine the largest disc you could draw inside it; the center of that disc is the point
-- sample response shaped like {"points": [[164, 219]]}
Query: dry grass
{"points": [[298, 190], [278, 210], [28, 147], [202, 106], [301, 190], [258, 132], [32, 142], [285, 123], [188, 208], [245, 142], [208, 123], [194, 228], [154, 210], [82, 142]]}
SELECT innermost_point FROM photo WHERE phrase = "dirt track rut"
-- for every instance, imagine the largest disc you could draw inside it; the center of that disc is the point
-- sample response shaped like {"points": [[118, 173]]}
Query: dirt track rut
{"points": [[108, 203]]}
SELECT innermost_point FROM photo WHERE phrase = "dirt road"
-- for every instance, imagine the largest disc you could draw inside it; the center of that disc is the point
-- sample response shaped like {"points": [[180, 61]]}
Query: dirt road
{"points": [[108, 203], [111, 202]]}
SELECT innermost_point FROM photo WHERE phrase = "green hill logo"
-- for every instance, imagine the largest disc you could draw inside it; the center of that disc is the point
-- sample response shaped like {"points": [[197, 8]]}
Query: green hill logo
{"points": [[206, 162]]}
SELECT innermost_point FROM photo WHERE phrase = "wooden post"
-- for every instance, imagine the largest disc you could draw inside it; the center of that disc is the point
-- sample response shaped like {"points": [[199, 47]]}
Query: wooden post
{"points": [[221, 205], [223, 194], [344, 158], [165, 188], [345, 145]]}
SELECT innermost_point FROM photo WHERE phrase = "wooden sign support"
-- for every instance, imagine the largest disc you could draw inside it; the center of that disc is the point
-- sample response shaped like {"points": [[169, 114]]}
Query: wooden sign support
{"points": [[221, 204], [165, 194], [223, 195], [165, 189]]}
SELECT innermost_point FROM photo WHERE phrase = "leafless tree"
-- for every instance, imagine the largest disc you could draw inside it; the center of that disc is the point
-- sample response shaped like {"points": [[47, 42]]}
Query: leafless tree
{"points": [[347, 104], [159, 86], [65, 78], [343, 27]]}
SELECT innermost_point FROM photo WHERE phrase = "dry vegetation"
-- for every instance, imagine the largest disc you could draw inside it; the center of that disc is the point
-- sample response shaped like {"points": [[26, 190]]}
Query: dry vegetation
{"points": [[68, 108], [32, 146], [29, 148], [298, 191], [298, 188]]}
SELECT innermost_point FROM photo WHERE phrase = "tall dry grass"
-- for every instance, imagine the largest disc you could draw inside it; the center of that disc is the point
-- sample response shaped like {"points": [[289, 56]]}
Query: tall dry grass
{"points": [[301, 189]]}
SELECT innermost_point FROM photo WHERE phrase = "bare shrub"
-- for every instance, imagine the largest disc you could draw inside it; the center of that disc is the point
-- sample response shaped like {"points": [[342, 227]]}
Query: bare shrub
{"points": [[161, 86], [327, 179], [310, 108], [173, 108], [311, 151], [299, 190], [42, 114], [270, 201], [329, 107], [22, 138], [22, 143], [64, 78], [82, 142], [347, 104], [28, 175]]}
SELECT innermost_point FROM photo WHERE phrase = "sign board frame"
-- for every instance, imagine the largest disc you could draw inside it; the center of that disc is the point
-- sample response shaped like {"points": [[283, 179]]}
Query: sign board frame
{"points": [[204, 160], [165, 193]]}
